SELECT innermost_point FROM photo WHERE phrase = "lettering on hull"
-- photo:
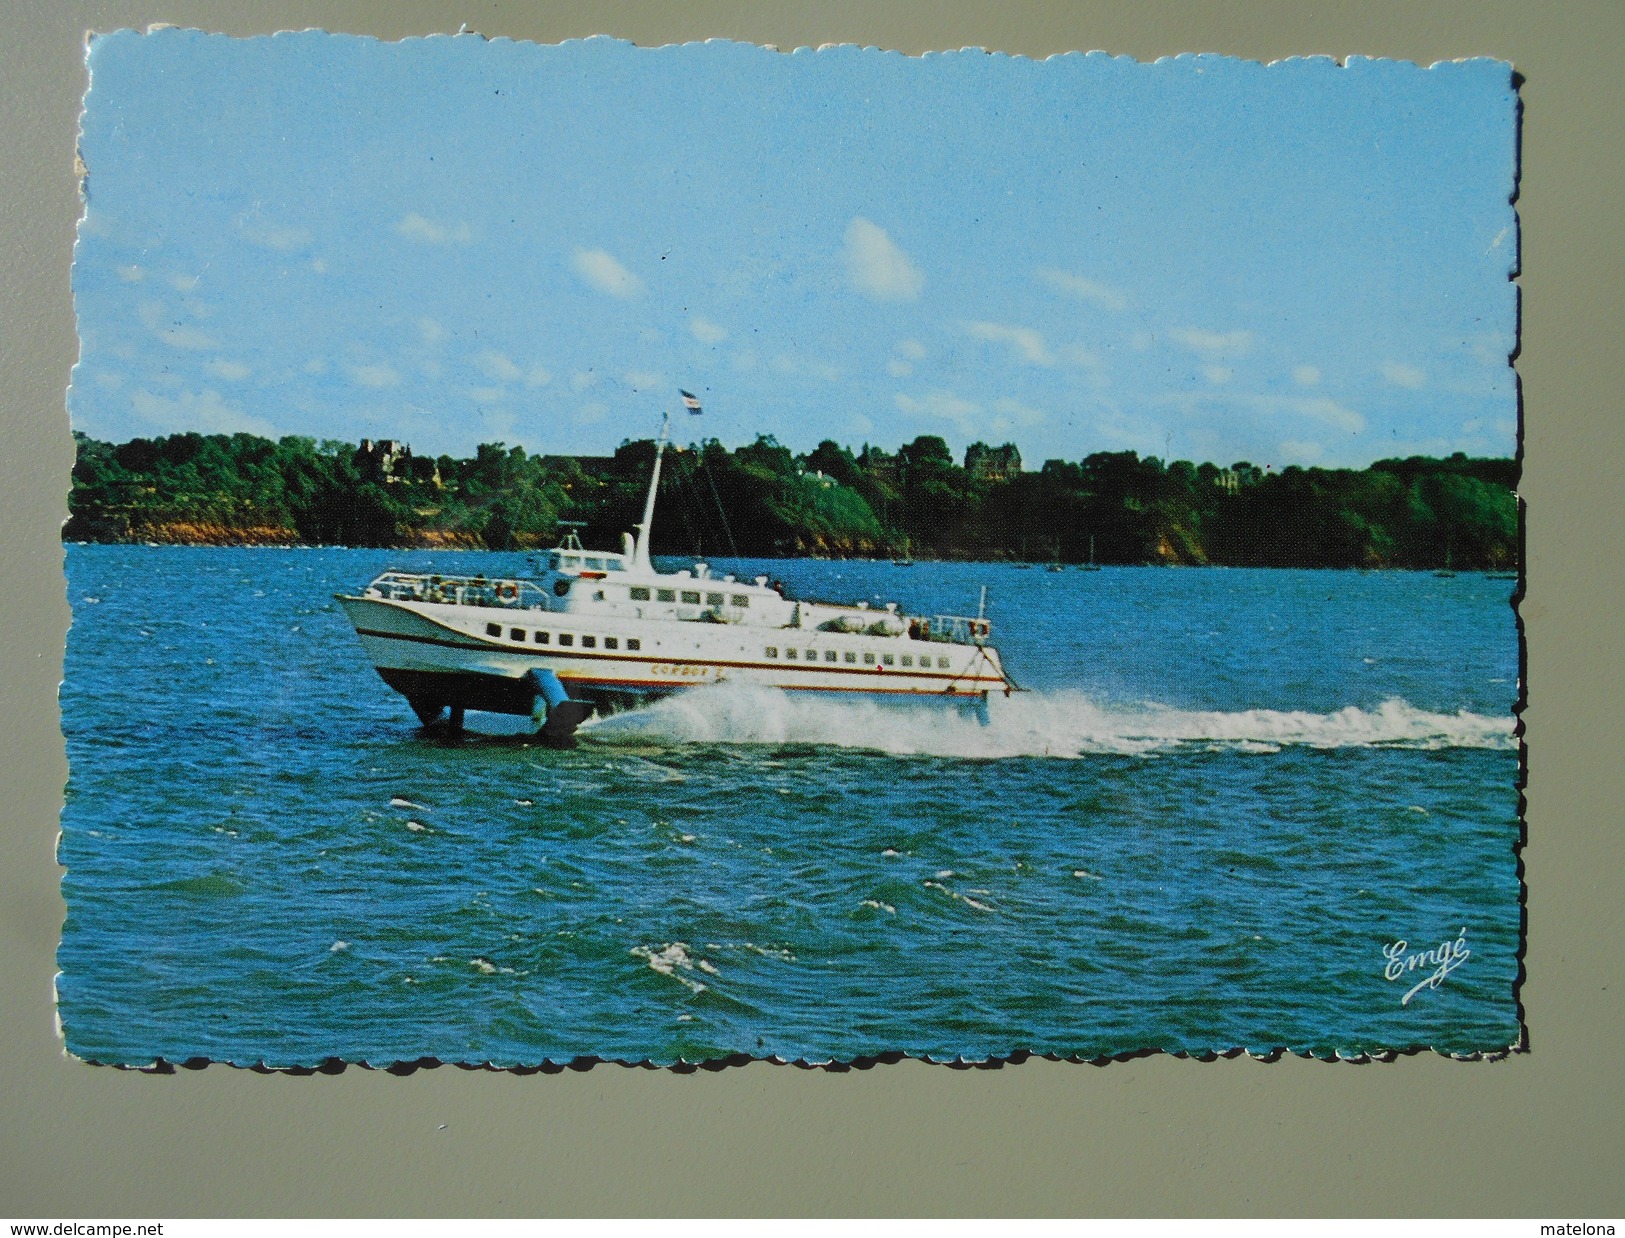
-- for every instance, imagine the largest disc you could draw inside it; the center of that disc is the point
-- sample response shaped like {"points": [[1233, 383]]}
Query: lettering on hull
{"points": [[672, 670]]}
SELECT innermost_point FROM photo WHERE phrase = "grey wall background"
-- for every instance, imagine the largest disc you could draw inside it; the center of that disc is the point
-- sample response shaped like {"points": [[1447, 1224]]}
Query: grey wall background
{"points": [[1538, 1134]]}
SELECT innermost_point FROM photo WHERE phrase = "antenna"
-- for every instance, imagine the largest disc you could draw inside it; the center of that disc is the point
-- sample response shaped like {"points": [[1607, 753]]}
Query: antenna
{"points": [[641, 550]]}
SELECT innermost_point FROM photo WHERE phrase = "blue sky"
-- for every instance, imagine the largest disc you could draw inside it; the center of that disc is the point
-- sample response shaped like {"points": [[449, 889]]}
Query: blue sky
{"points": [[453, 241]]}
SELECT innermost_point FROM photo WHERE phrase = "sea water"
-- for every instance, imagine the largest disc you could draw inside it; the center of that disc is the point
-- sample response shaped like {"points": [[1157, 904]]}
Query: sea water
{"points": [[1221, 802]]}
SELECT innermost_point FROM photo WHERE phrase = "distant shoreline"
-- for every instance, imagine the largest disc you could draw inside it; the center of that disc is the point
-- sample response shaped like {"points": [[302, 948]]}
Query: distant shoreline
{"points": [[763, 501], [922, 561]]}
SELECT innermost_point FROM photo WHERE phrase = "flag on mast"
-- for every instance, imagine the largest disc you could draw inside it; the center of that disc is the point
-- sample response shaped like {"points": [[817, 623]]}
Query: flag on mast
{"points": [[689, 401]]}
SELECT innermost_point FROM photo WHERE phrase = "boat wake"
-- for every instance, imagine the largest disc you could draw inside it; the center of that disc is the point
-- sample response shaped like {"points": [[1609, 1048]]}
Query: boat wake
{"points": [[1034, 724]]}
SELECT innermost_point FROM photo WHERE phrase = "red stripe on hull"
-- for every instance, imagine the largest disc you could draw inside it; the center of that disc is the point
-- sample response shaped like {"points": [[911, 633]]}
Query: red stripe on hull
{"points": [[553, 653], [498, 694]]}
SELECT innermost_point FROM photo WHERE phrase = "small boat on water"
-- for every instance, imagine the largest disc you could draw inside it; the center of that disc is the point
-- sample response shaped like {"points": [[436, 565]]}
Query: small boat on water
{"points": [[601, 629], [1446, 570], [1090, 566]]}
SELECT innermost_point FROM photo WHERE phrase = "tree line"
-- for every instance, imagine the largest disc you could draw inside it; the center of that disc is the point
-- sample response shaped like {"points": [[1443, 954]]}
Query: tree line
{"points": [[762, 499]]}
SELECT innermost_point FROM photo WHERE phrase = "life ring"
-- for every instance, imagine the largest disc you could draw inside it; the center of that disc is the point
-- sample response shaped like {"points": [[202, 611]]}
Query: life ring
{"points": [[979, 628], [561, 587], [508, 592]]}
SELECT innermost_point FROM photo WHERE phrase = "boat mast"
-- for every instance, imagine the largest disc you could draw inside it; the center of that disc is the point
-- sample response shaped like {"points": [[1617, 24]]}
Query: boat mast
{"points": [[640, 556]]}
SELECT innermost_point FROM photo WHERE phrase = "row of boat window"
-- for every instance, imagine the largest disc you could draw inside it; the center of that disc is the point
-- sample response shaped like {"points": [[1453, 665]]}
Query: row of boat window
{"points": [[690, 597], [851, 655], [567, 639], [633, 645]]}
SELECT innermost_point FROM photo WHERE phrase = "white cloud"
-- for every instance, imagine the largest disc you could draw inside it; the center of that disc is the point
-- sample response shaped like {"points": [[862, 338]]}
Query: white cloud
{"points": [[912, 349], [232, 371], [431, 331], [1299, 452], [497, 366], [1323, 409], [487, 395], [1312, 408], [588, 414], [501, 368], [582, 379], [273, 236], [319, 266], [315, 366], [183, 283], [1305, 375], [1028, 343], [1214, 345], [1402, 375], [202, 411], [1218, 375], [898, 368], [172, 332], [604, 273], [109, 380], [1086, 289], [640, 380], [1077, 354], [706, 331], [416, 228], [877, 266], [131, 274], [968, 417], [944, 406], [375, 375], [861, 424]]}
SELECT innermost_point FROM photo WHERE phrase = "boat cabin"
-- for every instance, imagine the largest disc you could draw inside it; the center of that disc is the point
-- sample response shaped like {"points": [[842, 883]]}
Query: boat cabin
{"points": [[626, 585]]}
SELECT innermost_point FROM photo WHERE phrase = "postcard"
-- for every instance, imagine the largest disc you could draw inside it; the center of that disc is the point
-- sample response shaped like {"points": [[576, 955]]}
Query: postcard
{"points": [[705, 553]]}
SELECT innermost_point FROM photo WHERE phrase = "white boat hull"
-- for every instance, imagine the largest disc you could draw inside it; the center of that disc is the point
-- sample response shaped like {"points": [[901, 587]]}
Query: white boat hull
{"points": [[477, 657]]}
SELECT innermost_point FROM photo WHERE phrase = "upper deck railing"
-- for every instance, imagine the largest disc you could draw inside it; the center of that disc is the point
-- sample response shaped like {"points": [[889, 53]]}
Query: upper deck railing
{"points": [[518, 594], [460, 590]]}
